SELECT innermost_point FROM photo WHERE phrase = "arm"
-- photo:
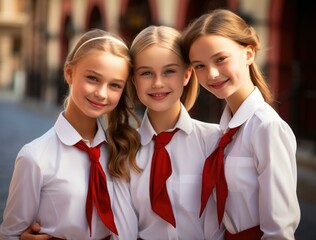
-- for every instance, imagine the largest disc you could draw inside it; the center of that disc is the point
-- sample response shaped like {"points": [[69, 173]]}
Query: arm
{"points": [[275, 149], [24, 196], [124, 214]]}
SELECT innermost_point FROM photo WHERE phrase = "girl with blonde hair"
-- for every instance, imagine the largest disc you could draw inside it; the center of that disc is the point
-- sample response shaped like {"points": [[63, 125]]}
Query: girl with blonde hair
{"points": [[64, 179], [162, 202]]}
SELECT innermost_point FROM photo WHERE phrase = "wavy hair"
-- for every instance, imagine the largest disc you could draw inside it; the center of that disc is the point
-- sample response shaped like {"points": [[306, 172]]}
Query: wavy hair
{"points": [[123, 139]]}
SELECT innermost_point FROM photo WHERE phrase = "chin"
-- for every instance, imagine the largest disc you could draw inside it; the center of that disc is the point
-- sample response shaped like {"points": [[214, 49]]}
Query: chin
{"points": [[220, 96]]}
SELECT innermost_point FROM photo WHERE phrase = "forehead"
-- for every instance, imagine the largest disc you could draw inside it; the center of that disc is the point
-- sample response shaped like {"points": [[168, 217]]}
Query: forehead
{"points": [[104, 63], [212, 43], [156, 54], [100, 56]]}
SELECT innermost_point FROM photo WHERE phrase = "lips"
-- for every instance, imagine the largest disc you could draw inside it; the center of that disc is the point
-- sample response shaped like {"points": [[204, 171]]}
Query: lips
{"points": [[219, 84], [158, 96], [96, 104]]}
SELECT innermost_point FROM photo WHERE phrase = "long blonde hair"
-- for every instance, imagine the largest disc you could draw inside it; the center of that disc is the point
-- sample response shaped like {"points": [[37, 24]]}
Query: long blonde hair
{"points": [[123, 139], [168, 38], [229, 25]]}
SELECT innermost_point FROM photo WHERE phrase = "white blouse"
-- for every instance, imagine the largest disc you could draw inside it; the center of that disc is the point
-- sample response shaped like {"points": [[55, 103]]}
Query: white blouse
{"points": [[260, 169], [188, 150], [50, 184]]}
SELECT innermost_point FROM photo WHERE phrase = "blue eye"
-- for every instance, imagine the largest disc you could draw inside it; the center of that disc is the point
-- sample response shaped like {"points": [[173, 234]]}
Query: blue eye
{"points": [[199, 66], [169, 71], [92, 78], [117, 86], [221, 59], [146, 74]]}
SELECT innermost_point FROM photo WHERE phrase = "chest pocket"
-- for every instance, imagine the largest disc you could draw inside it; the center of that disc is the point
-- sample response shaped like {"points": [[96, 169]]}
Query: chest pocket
{"points": [[190, 192], [241, 173]]}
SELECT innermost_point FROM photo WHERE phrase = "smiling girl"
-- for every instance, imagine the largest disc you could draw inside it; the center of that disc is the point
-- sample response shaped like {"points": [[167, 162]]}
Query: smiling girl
{"points": [[162, 202], [51, 183], [256, 191]]}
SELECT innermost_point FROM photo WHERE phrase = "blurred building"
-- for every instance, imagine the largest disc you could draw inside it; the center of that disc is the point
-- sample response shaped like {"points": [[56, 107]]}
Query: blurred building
{"points": [[13, 20], [37, 34]]}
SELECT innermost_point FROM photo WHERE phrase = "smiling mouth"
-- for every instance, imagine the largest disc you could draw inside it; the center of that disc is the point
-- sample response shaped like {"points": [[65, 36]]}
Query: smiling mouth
{"points": [[96, 104], [158, 96], [219, 85]]}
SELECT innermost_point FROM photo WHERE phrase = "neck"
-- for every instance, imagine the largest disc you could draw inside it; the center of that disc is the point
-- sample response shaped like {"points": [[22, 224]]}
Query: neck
{"points": [[164, 120], [235, 100], [85, 126]]}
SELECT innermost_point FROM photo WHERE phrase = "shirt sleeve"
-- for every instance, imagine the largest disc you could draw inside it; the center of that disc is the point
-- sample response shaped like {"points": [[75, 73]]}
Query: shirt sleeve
{"points": [[275, 149], [24, 196], [125, 216]]}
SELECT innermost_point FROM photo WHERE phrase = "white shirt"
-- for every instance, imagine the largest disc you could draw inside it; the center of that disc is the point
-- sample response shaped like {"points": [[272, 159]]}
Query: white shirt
{"points": [[188, 150], [50, 184], [260, 171]]}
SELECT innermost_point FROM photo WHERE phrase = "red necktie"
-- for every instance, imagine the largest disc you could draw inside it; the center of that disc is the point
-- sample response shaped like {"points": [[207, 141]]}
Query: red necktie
{"points": [[97, 191], [160, 171], [214, 174]]}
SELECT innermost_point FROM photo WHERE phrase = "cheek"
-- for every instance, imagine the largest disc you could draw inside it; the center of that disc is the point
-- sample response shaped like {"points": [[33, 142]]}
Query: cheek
{"points": [[140, 87], [237, 70], [206, 87], [82, 87], [202, 77], [141, 92], [116, 97], [181, 82], [77, 90]]}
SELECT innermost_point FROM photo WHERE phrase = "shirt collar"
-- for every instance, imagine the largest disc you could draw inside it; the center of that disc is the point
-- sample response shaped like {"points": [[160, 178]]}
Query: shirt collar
{"points": [[69, 136], [244, 112], [147, 132]]}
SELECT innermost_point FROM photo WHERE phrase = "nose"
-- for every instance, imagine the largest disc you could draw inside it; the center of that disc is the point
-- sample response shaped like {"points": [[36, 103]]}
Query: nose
{"points": [[213, 72], [157, 82], [101, 92]]}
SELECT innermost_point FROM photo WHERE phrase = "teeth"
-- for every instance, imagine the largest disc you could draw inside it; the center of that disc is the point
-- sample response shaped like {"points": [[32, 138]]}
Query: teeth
{"points": [[158, 94]]}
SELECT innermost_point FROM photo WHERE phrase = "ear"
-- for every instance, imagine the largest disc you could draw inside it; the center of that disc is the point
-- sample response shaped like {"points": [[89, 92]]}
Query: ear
{"points": [[68, 73], [250, 53], [187, 76], [133, 80]]}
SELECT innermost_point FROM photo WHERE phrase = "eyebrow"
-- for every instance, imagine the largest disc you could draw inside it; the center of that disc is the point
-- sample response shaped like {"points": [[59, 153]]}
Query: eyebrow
{"points": [[100, 75], [93, 72], [213, 56], [165, 66]]}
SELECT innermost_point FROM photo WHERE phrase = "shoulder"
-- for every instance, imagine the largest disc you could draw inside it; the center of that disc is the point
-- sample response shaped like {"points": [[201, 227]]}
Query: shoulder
{"points": [[204, 127], [266, 113], [206, 134], [266, 116], [42, 141], [267, 123], [43, 145]]}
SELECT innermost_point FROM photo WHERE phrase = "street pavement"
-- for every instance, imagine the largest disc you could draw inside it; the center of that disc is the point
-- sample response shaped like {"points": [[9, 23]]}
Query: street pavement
{"points": [[22, 120]]}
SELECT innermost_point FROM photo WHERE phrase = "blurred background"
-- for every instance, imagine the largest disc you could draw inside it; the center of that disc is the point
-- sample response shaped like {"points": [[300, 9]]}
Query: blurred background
{"points": [[36, 35]]}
